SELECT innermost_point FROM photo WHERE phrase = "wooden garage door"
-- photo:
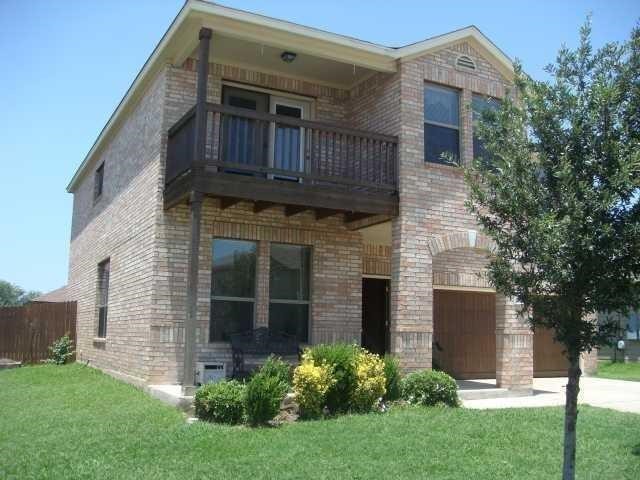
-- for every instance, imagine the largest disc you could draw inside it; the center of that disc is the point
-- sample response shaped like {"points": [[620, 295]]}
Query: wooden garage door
{"points": [[548, 359], [464, 332]]}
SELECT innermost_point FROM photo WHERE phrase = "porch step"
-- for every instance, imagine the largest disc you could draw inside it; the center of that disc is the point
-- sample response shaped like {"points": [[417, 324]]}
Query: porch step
{"points": [[483, 389], [483, 393], [172, 395]]}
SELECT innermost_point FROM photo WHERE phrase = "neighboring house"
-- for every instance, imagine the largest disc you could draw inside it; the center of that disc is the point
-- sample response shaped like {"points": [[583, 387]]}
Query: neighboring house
{"points": [[629, 332], [293, 178], [54, 296]]}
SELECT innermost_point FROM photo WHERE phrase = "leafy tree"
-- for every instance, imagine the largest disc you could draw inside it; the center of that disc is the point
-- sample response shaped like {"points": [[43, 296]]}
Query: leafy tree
{"points": [[559, 198], [12, 295]]}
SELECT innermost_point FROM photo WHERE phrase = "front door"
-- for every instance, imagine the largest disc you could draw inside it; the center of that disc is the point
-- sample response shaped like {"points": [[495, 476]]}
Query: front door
{"points": [[375, 315]]}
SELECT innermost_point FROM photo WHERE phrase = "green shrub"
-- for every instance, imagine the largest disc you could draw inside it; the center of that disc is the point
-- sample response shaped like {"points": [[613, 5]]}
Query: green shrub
{"points": [[221, 402], [61, 350], [264, 394], [275, 367], [393, 378], [341, 358], [311, 383], [370, 381], [430, 388]]}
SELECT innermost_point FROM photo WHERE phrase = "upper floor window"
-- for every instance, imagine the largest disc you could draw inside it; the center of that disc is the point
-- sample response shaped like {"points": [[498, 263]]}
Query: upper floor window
{"points": [[103, 296], [480, 104], [441, 124], [289, 275], [233, 288], [98, 181]]}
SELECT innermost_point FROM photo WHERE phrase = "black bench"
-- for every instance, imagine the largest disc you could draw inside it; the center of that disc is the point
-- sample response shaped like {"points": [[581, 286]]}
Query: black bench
{"points": [[260, 342]]}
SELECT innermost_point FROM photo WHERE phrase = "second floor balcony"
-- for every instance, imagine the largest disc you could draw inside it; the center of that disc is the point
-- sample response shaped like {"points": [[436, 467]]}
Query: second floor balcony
{"points": [[281, 159]]}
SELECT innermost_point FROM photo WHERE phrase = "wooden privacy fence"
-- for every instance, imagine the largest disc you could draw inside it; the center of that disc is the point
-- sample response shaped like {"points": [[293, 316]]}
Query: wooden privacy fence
{"points": [[26, 332]]}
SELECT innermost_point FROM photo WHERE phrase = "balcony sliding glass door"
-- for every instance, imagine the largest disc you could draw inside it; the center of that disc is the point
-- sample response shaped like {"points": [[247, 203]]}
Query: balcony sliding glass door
{"points": [[263, 143]]}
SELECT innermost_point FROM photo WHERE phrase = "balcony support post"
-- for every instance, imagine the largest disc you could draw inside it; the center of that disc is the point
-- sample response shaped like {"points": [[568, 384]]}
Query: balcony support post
{"points": [[200, 135], [188, 380]]}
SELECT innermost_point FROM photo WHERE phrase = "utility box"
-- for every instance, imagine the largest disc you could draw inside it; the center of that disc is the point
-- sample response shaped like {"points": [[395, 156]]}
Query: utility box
{"points": [[210, 372]]}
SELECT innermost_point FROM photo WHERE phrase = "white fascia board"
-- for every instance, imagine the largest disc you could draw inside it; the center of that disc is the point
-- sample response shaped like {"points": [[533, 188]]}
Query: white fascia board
{"points": [[415, 50]]}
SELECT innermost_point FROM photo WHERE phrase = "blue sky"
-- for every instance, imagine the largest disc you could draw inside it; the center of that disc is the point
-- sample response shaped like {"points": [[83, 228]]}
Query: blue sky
{"points": [[66, 65]]}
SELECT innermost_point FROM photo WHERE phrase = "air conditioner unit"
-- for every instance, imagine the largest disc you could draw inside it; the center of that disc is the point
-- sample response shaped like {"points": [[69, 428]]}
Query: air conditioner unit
{"points": [[210, 372]]}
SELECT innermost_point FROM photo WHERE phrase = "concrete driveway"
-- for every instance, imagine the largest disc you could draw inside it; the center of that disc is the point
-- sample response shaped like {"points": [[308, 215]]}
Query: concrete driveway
{"points": [[618, 395]]}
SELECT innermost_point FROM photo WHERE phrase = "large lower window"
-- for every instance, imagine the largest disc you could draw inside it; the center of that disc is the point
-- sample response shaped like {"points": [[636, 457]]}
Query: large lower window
{"points": [[481, 104], [441, 124], [289, 290], [233, 287], [103, 297]]}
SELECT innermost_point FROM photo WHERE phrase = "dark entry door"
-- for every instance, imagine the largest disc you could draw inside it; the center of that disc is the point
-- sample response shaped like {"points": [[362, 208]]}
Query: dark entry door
{"points": [[464, 333], [375, 314]]}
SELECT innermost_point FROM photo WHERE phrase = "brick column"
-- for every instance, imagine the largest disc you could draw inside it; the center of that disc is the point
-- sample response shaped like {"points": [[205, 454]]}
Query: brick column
{"points": [[262, 284], [411, 328], [589, 360], [514, 347]]}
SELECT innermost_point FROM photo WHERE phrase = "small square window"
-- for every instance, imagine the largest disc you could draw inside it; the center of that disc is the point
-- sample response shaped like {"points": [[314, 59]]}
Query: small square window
{"points": [[98, 182]]}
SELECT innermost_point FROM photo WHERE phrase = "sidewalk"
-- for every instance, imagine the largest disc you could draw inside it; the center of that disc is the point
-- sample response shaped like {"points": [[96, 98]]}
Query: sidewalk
{"points": [[620, 395]]}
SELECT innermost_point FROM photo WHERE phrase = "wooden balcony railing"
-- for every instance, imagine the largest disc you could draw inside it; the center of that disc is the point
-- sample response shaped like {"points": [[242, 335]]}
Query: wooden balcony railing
{"points": [[277, 147]]}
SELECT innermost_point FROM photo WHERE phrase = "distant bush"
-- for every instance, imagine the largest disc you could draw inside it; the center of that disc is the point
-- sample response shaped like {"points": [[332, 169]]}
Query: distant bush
{"points": [[265, 391], [370, 381], [393, 378], [221, 402], [311, 383], [430, 388], [341, 358], [61, 350]]}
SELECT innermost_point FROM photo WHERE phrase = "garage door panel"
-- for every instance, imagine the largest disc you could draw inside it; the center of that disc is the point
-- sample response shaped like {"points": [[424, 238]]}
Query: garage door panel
{"points": [[464, 326], [548, 356]]}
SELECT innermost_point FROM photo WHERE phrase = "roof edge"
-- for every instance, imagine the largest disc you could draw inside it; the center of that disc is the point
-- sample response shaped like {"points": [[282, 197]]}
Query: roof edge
{"points": [[202, 7]]}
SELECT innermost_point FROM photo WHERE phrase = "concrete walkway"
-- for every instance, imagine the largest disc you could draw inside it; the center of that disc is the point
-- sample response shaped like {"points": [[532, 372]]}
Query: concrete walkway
{"points": [[620, 395]]}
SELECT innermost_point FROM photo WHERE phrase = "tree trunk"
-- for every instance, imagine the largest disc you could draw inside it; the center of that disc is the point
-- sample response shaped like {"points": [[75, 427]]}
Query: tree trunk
{"points": [[571, 418]]}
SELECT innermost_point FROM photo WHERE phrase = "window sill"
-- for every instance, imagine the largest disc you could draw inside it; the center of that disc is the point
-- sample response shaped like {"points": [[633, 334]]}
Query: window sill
{"points": [[100, 340], [457, 168]]}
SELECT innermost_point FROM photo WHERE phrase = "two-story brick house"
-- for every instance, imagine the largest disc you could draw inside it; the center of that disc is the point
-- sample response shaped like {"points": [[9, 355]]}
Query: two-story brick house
{"points": [[263, 173]]}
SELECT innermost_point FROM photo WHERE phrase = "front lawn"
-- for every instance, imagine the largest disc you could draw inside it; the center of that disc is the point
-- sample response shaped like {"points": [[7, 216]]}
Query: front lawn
{"points": [[75, 422], [619, 371]]}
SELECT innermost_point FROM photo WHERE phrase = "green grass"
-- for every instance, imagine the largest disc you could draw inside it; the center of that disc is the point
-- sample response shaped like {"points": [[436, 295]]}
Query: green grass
{"points": [[75, 422], [619, 371]]}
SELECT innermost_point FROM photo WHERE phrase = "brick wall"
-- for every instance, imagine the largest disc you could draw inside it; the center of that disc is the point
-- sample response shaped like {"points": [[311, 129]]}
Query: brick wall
{"points": [[335, 312], [376, 260], [119, 226], [432, 208], [149, 246]]}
